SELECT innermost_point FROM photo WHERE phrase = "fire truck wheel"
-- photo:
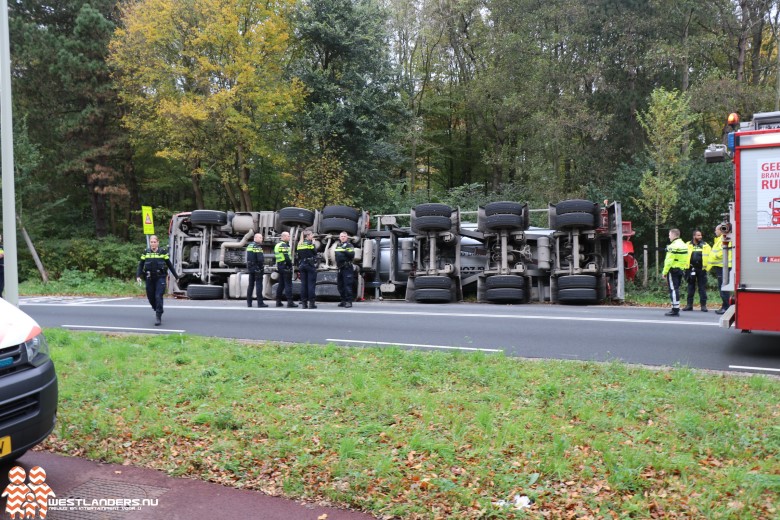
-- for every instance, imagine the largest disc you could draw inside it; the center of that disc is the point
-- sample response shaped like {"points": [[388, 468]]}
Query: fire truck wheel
{"points": [[431, 223], [575, 220], [337, 225], [577, 295], [577, 206], [504, 221], [341, 212], [505, 208], [499, 281], [577, 281], [433, 282], [296, 217], [432, 295], [208, 217], [505, 295], [432, 209], [205, 292]]}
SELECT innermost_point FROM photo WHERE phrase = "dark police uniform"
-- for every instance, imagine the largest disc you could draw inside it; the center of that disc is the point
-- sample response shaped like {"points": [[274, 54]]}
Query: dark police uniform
{"points": [[255, 260], [344, 255], [154, 266], [307, 256], [284, 268]]}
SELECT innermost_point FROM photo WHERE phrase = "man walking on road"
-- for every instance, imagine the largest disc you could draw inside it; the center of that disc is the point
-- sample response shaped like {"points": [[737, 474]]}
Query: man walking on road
{"points": [[675, 262], [344, 255], [284, 268], [154, 266], [255, 264], [698, 258]]}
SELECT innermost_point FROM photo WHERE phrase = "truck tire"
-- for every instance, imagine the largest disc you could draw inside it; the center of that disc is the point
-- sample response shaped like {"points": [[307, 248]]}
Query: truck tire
{"points": [[432, 209], [575, 220], [337, 225], [504, 208], [579, 295], [296, 290], [205, 292], [208, 217], [432, 295], [577, 281], [576, 206], [504, 221], [433, 282], [505, 294], [296, 217], [431, 223], [499, 281], [341, 212]]}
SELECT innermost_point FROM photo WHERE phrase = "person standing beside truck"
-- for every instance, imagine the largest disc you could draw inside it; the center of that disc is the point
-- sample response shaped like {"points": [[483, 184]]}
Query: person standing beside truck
{"points": [[255, 264], [284, 268], [154, 266], [307, 256], [345, 253], [698, 258], [675, 263], [716, 266]]}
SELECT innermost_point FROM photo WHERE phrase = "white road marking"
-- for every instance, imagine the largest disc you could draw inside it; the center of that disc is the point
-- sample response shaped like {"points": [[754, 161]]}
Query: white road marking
{"points": [[92, 327], [411, 345], [89, 301], [739, 367]]}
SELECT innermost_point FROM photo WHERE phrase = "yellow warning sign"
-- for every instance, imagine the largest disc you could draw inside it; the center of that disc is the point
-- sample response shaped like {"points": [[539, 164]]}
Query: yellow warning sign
{"points": [[148, 220]]}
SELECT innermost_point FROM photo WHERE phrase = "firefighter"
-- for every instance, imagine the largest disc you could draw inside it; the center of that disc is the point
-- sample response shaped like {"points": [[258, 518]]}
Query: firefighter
{"points": [[255, 263], [154, 266], [696, 274], [716, 266], [344, 255], [284, 267], [306, 256], [675, 263]]}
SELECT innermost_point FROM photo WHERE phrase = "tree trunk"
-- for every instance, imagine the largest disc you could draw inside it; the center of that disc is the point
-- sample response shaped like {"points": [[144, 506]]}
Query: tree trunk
{"points": [[197, 190], [97, 199], [243, 180]]}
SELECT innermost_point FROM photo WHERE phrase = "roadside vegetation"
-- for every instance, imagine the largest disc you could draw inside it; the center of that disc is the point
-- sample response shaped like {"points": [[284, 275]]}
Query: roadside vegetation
{"points": [[411, 434]]}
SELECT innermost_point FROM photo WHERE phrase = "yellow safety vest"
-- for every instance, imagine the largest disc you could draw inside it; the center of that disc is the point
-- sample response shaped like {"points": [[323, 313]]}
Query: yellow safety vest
{"points": [[676, 256]]}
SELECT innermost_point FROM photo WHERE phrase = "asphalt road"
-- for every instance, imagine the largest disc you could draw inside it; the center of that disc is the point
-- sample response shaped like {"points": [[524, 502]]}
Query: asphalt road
{"points": [[600, 333]]}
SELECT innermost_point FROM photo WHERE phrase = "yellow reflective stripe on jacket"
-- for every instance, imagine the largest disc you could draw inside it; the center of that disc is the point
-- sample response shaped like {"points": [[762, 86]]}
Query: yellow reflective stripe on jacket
{"points": [[676, 256], [151, 255], [304, 245]]}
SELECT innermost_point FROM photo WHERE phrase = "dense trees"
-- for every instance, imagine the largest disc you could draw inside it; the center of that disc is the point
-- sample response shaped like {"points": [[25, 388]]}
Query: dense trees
{"points": [[239, 104]]}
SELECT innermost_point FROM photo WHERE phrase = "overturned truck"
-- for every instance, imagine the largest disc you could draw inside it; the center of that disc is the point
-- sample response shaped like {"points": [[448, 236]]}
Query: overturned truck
{"points": [[434, 254]]}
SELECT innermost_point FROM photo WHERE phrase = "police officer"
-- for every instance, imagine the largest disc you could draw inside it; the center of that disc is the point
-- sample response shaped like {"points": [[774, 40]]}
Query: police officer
{"points": [[716, 267], [698, 258], [675, 263], [154, 266], [284, 268], [306, 256], [255, 263], [344, 255]]}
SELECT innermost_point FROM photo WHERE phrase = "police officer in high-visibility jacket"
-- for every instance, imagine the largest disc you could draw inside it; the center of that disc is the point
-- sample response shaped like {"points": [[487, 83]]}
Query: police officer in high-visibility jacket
{"points": [[284, 267], [306, 256], [255, 265], [675, 263], [154, 266], [716, 267], [698, 260], [345, 253]]}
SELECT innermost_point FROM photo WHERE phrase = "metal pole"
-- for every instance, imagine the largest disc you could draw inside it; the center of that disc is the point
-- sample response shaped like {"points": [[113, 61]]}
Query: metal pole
{"points": [[644, 267], [7, 150]]}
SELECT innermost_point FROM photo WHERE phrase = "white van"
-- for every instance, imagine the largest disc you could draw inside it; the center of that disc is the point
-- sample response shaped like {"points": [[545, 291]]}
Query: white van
{"points": [[28, 384]]}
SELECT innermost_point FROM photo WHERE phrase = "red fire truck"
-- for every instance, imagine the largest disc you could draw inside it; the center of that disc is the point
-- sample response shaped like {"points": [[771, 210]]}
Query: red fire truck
{"points": [[754, 227]]}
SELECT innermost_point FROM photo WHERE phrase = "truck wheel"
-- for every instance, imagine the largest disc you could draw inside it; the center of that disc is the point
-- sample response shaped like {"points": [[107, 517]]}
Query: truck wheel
{"points": [[337, 225], [433, 282], [577, 295], [505, 295], [208, 217], [205, 292], [576, 206], [504, 208], [296, 217], [431, 223], [577, 281], [511, 281], [296, 290], [432, 209], [504, 221], [341, 212], [575, 220], [432, 295]]}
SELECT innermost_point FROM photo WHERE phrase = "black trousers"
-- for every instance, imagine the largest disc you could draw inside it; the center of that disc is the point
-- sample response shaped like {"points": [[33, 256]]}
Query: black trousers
{"points": [[724, 295], [285, 283], [155, 289], [345, 280], [698, 279], [255, 286], [308, 282], [673, 279]]}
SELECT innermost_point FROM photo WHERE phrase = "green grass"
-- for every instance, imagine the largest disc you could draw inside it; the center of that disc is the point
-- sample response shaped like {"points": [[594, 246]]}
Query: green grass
{"points": [[424, 435], [75, 283]]}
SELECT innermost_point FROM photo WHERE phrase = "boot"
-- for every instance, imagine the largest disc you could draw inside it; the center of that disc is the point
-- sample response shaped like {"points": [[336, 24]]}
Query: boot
{"points": [[249, 304], [342, 304], [279, 303], [721, 311], [305, 305], [688, 308], [312, 305], [157, 319], [673, 312], [703, 307], [291, 304], [348, 305], [261, 303]]}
